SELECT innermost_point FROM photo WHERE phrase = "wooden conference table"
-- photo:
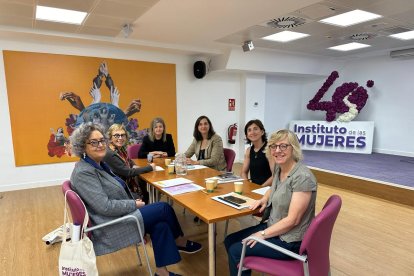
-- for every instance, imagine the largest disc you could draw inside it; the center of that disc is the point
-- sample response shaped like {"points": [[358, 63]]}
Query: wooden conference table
{"points": [[208, 210]]}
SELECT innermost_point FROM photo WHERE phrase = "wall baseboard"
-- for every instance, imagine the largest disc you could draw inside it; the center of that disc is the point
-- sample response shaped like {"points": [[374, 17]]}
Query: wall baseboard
{"points": [[30, 185], [394, 152]]}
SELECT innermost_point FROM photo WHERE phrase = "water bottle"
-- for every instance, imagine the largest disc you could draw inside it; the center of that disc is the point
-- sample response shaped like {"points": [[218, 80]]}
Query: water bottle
{"points": [[180, 164]]}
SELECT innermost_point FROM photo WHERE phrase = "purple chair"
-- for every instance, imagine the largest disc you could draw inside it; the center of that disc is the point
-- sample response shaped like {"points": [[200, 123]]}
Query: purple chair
{"points": [[77, 210], [133, 150], [229, 155], [313, 257]]}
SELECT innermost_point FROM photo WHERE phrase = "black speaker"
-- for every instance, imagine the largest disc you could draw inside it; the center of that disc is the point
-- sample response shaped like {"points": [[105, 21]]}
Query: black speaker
{"points": [[199, 69]]}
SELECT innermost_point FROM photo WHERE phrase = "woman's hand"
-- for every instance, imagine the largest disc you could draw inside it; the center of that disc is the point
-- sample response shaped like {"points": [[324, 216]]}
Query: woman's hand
{"points": [[153, 166], [259, 203], [139, 203], [252, 243]]}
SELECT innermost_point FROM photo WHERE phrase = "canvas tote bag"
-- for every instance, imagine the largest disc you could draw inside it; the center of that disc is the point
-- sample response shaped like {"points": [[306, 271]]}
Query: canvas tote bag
{"points": [[77, 258]]}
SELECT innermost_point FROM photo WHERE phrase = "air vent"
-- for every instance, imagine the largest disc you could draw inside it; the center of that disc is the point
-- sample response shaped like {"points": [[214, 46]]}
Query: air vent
{"points": [[286, 22], [362, 36]]}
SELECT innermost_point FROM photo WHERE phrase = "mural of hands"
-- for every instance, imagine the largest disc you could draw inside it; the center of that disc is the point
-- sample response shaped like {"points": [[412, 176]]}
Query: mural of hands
{"points": [[73, 99], [134, 107], [115, 96], [95, 93], [103, 69]]}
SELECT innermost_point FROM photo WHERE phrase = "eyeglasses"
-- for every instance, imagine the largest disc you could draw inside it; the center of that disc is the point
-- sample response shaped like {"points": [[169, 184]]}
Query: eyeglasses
{"points": [[95, 143], [282, 147], [117, 136]]}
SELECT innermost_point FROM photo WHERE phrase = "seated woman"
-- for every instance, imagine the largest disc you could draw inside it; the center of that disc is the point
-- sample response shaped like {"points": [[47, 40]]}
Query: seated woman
{"points": [[207, 146], [255, 159], [107, 197], [117, 159], [158, 142], [292, 199]]}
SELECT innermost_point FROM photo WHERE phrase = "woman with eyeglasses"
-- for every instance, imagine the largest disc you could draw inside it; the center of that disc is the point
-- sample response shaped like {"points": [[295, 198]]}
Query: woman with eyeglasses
{"points": [[290, 200], [158, 142], [107, 197], [117, 159], [255, 160]]}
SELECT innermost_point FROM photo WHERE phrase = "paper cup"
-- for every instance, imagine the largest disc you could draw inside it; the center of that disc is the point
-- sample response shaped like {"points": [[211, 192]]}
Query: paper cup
{"points": [[170, 169], [238, 187], [215, 183], [167, 162], [210, 186]]}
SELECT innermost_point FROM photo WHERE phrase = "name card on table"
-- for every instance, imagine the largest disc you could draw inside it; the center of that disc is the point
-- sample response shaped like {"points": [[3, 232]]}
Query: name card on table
{"points": [[354, 137]]}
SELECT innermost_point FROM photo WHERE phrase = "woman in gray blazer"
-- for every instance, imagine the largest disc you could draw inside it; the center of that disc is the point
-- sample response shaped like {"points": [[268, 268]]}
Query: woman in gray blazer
{"points": [[107, 197], [207, 146]]}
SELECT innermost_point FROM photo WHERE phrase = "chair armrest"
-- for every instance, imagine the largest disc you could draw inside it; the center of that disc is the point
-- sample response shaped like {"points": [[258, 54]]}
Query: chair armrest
{"points": [[115, 221], [302, 258]]}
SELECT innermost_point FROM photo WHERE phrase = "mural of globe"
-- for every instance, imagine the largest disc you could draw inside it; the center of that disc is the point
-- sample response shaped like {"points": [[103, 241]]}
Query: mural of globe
{"points": [[102, 113]]}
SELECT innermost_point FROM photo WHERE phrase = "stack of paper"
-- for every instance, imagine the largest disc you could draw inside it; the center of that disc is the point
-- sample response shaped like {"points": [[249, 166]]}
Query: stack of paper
{"points": [[178, 186], [181, 189], [227, 177], [173, 182]]}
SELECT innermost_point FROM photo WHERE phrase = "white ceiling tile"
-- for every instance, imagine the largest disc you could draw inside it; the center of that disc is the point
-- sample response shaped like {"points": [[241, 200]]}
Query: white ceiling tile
{"points": [[54, 26], [16, 21], [77, 5], [114, 9], [15, 9], [103, 21], [142, 3], [99, 31]]}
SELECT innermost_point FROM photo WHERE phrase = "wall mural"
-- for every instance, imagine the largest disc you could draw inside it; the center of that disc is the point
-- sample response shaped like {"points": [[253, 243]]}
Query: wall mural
{"points": [[50, 95]]}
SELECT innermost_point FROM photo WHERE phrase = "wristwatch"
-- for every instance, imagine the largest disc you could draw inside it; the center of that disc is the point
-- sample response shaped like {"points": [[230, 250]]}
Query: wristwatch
{"points": [[263, 233]]}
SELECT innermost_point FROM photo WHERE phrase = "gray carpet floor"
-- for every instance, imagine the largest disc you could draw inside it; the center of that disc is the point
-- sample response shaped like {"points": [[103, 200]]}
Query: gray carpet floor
{"points": [[383, 167]]}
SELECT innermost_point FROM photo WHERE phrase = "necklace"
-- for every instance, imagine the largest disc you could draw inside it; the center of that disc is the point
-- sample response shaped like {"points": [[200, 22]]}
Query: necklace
{"points": [[257, 152]]}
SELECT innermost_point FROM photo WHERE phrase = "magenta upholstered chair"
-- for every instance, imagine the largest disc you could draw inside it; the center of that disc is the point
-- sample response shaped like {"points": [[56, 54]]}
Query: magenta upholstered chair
{"points": [[229, 155], [313, 258], [77, 210], [133, 150]]}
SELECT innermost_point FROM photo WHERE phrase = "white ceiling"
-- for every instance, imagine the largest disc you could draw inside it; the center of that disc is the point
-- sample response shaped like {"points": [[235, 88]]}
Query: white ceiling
{"points": [[214, 26]]}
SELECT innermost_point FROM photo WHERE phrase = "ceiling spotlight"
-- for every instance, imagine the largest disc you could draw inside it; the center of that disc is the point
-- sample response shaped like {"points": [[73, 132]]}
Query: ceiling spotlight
{"points": [[127, 30], [248, 46]]}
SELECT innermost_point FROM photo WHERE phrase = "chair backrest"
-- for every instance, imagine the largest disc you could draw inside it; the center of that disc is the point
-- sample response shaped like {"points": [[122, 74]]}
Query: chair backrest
{"points": [[229, 155], [317, 238], [76, 206], [133, 150]]}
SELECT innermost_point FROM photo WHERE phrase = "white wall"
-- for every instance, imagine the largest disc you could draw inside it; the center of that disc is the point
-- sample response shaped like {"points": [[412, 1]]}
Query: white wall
{"points": [[283, 102], [389, 104], [285, 99], [194, 97]]}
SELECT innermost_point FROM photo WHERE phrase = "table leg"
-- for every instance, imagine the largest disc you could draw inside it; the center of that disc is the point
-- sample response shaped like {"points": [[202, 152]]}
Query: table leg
{"points": [[212, 249]]}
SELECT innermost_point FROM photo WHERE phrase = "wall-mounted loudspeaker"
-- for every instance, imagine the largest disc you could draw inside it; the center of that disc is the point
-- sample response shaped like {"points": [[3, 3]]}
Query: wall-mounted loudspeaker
{"points": [[200, 69]]}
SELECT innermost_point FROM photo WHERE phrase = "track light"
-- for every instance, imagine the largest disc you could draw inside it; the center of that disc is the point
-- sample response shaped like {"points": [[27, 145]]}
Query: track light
{"points": [[248, 46], [127, 30]]}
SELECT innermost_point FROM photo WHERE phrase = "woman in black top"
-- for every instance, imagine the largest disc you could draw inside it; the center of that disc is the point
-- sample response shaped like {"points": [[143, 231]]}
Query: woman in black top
{"points": [[255, 160], [157, 142]]}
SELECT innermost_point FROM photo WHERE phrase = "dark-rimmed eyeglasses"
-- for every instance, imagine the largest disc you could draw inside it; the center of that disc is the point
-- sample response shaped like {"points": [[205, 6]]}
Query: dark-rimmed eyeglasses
{"points": [[95, 143], [117, 136], [282, 147]]}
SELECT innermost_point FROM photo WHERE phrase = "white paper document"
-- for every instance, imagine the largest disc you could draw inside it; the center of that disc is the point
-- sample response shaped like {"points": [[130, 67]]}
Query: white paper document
{"points": [[195, 167], [158, 168], [261, 191], [173, 182], [181, 189]]}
